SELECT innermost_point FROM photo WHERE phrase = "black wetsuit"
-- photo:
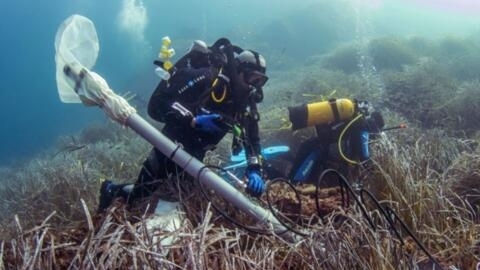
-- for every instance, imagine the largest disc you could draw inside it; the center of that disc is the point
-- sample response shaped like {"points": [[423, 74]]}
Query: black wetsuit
{"points": [[192, 88], [324, 149]]}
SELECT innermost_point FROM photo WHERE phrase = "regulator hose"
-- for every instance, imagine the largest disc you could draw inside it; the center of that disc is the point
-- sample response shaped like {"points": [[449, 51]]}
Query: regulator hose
{"points": [[339, 143]]}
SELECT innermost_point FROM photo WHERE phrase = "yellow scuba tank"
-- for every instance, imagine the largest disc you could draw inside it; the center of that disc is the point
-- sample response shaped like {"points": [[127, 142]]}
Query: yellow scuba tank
{"points": [[323, 112]]}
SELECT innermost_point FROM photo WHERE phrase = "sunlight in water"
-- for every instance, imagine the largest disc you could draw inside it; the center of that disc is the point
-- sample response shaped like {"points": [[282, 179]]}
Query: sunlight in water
{"points": [[133, 18], [369, 4], [364, 31], [467, 6]]}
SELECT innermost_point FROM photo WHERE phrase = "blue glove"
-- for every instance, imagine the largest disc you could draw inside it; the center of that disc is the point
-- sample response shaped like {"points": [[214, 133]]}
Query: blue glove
{"points": [[206, 122], [255, 185]]}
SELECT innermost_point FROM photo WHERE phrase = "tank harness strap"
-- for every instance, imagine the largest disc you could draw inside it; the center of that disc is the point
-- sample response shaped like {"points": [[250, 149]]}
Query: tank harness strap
{"points": [[333, 104]]}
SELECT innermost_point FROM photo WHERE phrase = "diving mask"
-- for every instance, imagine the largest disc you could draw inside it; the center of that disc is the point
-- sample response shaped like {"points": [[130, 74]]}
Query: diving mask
{"points": [[255, 78]]}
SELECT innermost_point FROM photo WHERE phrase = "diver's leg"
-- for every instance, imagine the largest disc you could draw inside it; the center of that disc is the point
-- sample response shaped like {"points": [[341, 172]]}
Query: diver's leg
{"points": [[155, 169], [109, 191], [304, 152]]}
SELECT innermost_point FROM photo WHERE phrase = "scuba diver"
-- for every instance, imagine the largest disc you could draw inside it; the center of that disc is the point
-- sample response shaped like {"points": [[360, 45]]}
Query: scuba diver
{"points": [[210, 91], [344, 129]]}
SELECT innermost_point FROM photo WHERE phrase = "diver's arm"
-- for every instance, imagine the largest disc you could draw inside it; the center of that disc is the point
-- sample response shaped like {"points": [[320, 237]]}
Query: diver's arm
{"points": [[252, 139], [174, 102]]}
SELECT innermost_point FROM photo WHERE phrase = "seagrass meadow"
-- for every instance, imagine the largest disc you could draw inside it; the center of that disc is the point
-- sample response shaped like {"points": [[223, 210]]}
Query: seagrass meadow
{"points": [[427, 174]]}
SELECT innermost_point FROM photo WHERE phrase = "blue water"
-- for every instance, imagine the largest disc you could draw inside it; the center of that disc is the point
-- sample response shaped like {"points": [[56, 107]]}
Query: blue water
{"points": [[32, 116]]}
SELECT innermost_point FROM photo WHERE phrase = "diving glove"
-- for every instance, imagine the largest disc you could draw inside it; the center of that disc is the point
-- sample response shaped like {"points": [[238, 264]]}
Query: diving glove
{"points": [[255, 185], [207, 122]]}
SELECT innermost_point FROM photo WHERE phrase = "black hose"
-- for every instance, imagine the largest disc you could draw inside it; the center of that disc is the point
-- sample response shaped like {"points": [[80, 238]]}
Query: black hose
{"points": [[274, 211], [231, 67], [387, 212], [218, 209], [417, 241], [382, 210], [343, 182]]}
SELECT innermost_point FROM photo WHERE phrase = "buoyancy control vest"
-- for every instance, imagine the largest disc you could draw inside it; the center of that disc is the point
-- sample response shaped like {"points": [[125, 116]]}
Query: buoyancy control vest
{"points": [[200, 58]]}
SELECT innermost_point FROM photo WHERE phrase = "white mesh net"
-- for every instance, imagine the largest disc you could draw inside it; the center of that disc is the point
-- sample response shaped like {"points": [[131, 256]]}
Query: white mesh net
{"points": [[76, 42]]}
